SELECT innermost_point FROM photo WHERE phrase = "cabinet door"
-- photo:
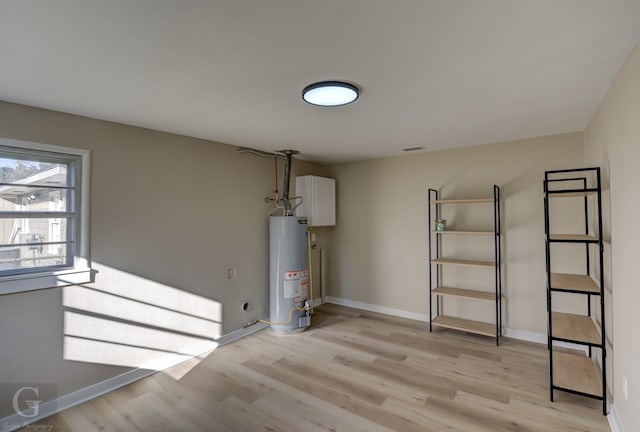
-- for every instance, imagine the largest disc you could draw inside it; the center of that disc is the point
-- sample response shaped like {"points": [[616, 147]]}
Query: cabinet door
{"points": [[319, 200], [323, 192]]}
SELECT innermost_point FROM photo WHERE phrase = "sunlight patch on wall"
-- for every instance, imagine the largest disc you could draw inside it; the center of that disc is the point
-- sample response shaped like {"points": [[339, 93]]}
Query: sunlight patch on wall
{"points": [[89, 327], [126, 320], [92, 351], [89, 300], [121, 283]]}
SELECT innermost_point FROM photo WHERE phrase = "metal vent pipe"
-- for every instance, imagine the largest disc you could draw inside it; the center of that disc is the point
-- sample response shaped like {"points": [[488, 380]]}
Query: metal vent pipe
{"points": [[287, 180]]}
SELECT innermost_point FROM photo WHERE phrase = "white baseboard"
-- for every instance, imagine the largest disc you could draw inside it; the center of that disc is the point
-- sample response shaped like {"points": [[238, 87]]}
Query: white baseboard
{"points": [[614, 419], [240, 333], [316, 302], [540, 338], [525, 335], [376, 308], [49, 408], [508, 332]]}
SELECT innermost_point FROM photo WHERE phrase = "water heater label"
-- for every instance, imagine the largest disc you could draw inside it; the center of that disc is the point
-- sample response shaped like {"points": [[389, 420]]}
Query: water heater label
{"points": [[303, 291], [291, 283], [296, 285]]}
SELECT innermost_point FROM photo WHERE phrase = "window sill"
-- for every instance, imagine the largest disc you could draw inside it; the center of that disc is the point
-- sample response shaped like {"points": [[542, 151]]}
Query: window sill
{"points": [[53, 279]]}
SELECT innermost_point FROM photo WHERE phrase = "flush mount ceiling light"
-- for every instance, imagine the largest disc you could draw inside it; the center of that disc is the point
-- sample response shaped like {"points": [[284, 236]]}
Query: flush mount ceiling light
{"points": [[330, 93]]}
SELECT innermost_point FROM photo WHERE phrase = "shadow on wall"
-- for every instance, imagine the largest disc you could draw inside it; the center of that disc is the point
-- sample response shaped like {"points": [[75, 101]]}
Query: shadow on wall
{"points": [[127, 320]]}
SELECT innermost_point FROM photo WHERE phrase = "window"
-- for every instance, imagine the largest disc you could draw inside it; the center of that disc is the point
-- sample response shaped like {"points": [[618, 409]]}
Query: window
{"points": [[43, 216]]}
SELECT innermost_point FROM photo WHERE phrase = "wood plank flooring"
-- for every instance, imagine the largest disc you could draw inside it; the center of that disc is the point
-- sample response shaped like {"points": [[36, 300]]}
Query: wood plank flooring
{"points": [[353, 371]]}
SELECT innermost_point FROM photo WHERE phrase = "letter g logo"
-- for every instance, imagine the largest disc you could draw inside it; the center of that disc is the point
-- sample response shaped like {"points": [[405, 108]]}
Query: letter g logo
{"points": [[35, 404]]}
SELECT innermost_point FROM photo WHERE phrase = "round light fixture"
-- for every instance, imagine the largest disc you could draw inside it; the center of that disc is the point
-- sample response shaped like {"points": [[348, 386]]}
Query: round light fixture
{"points": [[330, 93]]}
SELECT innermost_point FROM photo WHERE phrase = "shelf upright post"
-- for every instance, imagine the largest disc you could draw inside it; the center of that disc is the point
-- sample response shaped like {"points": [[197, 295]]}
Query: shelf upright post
{"points": [[439, 300], [429, 204], [548, 266], [497, 256], [602, 293], [587, 246]]}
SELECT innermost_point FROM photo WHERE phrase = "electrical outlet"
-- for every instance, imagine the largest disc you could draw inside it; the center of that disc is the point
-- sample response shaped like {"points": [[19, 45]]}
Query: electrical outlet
{"points": [[625, 388], [231, 273]]}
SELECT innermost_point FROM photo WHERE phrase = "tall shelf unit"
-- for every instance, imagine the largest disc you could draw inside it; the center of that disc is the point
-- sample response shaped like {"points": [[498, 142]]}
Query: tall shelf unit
{"points": [[437, 289], [573, 372]]}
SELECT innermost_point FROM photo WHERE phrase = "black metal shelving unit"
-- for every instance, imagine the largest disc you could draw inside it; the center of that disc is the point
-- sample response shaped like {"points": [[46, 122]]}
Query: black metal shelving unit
{"points": [[436, 261], [576, 373]]}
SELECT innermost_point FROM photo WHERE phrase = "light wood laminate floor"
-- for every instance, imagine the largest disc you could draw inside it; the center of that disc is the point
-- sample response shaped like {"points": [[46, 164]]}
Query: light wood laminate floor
{"points": [[353, 371]]}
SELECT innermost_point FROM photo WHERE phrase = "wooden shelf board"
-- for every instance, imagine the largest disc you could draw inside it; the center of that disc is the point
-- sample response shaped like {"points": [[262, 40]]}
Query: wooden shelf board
{"points": [[571, 193], [461, 324], [464, 262], [460, 292], [463, 232], [461, 201], [573, 237], [576, 372], [574, 282], [574, 327]]}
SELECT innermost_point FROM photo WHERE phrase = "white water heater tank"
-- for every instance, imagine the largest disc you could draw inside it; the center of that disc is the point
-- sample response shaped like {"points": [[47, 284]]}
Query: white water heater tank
{"points": [[288, 274]]}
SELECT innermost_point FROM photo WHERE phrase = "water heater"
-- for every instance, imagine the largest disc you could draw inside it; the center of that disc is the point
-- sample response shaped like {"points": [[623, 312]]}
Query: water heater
{"points": [[288, 274], [290, 287]]}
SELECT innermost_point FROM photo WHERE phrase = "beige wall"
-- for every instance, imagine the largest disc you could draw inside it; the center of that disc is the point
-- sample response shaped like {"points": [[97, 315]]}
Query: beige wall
{"points": [[379, 246], [612, 140], [169, 215]]}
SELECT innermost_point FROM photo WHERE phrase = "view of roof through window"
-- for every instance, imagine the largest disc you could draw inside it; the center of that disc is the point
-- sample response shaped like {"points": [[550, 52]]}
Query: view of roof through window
{"points": [[36, 220]]}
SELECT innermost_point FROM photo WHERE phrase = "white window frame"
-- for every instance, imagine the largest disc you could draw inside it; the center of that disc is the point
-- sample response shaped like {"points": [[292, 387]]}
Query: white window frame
{"points": [[80, 271]]}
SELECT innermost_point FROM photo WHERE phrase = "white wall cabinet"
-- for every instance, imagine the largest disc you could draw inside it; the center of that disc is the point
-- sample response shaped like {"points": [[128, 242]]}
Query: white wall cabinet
{"points": [[318, 200]]}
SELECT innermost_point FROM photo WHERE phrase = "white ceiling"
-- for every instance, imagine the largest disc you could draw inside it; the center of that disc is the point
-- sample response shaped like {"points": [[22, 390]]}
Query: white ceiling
{"points": [[433, 73]]}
